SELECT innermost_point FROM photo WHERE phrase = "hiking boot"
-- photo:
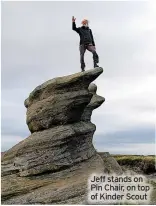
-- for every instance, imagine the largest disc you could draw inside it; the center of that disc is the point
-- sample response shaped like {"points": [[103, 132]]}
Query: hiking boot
{"points": [[95, 65], [82, 68]]}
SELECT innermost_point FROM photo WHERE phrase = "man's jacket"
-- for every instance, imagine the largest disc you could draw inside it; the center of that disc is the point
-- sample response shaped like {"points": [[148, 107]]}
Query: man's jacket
{"points": [[86, 36]]}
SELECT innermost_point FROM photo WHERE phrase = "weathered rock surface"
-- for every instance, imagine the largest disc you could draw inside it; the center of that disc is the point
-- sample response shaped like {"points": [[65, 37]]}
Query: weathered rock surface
{"points": [[53, 164], [111, 164], [95, 102], [59, 101]]}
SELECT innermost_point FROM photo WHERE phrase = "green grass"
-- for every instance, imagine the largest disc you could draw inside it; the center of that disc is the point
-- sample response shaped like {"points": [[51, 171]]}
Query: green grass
{"points": [[145, 164], [131, 159]]}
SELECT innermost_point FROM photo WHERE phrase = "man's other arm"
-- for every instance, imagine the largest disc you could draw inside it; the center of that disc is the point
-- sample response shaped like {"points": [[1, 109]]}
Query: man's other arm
{"points": [[92, 38]]}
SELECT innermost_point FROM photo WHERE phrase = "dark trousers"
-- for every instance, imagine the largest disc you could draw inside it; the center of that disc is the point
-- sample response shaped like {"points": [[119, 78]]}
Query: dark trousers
{"points": [[90, 48]]}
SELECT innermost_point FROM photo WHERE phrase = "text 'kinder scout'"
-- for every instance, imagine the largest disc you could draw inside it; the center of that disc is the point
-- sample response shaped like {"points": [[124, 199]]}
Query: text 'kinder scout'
{"points": [[124, 188]]}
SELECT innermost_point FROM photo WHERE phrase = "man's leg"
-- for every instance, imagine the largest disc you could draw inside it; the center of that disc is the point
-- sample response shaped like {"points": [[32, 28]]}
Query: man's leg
{"points": [[91, 48], [82, 52]]}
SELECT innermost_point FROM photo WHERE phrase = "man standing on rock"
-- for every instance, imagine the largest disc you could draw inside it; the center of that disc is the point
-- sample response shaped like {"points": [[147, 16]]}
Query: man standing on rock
{"points": [[86, 42]]}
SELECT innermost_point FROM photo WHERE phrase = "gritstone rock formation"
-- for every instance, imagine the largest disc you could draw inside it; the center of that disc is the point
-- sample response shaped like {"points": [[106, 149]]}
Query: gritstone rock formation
{"points": [[111, 164], [52, 165]]}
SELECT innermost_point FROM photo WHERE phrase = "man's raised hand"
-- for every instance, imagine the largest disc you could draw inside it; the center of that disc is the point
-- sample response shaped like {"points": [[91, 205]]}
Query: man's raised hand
{"points": [[73, 18]]}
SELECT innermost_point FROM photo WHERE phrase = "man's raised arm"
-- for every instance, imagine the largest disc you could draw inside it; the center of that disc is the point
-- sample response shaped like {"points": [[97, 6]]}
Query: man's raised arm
{"points": [[74, 25]]}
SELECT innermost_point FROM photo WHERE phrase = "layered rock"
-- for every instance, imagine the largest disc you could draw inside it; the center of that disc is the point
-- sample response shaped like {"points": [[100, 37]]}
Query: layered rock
{"points": [[111, 164], [59, 101], [95, 102], [53, 164]]}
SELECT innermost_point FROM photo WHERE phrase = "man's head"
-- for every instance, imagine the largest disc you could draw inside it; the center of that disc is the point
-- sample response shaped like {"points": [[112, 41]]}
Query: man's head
{"points": [[85, 22]]}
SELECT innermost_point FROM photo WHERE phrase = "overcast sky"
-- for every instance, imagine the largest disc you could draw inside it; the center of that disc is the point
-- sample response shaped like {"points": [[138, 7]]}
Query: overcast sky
{"points": [[38, 44]]}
